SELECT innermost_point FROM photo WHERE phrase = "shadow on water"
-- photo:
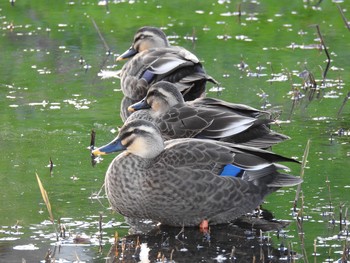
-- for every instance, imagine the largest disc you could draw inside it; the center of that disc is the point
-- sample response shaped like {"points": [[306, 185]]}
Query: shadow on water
{"points": [[247, 240], [221, 243]]}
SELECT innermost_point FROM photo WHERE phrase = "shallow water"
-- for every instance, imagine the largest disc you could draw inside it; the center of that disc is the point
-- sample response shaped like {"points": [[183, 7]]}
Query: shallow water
{"points": [[52, 96]]}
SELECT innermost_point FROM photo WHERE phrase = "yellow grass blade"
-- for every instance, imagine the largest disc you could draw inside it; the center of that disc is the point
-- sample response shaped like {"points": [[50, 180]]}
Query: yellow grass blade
{"points": [[45, 197], [302, 171]]}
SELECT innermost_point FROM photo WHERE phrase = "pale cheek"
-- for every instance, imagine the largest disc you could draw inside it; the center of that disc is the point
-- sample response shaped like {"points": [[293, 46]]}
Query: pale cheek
{"points": [[156, 106], [137, 147], [144, 46]]}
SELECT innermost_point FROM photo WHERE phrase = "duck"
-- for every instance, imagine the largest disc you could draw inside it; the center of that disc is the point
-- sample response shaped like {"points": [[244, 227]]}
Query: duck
{"points": [[151, 58], [208, 118], [180, 183]]}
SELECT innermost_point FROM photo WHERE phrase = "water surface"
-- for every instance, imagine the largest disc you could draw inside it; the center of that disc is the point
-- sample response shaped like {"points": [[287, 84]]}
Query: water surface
{"points": [[264, 54]]}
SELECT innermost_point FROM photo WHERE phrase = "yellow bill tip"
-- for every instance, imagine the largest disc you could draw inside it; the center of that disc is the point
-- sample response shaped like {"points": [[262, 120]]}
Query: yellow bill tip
{"points": [[97, 152]]}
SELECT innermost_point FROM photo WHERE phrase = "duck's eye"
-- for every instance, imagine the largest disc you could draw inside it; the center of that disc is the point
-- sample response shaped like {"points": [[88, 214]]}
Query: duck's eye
{"points": [[140, 37]]}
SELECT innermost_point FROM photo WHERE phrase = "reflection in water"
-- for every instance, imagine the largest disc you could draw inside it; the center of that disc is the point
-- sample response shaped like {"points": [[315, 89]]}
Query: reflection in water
{"points": [[221, 243], [90, 240], [50, 61]]}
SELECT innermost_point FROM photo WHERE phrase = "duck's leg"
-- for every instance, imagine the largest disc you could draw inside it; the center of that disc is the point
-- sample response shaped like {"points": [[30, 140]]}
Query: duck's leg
{"points": [[204, 226]]}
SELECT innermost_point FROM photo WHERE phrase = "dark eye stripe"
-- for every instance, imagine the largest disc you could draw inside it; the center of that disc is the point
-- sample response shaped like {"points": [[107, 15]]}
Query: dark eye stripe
{"points": [[129, 142], [141, 36], [156, 93], [134, 131]]}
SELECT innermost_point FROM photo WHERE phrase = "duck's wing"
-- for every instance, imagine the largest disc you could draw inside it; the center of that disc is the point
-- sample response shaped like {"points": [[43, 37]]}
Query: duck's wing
{"points": [[257, 135], [176, 65], [228, 106], [159, 64], [167, 64], [183, 120], [225, 124], [209, 157], [196, 152], [184, 175]]}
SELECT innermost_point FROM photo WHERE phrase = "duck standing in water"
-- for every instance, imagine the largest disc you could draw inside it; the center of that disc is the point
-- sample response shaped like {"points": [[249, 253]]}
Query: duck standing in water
{"points": [[152, 59], [180, 183], [207, 118]]}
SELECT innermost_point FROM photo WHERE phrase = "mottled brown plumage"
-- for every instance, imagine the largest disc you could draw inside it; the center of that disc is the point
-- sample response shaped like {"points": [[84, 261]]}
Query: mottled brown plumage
{"points": [[178, 182], [153, 59], [205, 118]]}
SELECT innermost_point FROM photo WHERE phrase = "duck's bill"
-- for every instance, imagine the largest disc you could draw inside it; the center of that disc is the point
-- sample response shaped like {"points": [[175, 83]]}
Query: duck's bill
{"points": [[114, 146], [139, 106], [127, 54]]}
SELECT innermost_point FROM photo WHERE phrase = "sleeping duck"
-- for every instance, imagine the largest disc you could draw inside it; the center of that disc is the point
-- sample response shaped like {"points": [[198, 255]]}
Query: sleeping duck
{"points": [[207, 118], [152, 59]]}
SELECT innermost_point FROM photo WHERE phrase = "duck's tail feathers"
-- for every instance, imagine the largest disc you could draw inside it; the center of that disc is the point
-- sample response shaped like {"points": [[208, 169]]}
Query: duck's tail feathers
{"points": [[258, 138], [198, 76], [271, 177], [284, 180]]}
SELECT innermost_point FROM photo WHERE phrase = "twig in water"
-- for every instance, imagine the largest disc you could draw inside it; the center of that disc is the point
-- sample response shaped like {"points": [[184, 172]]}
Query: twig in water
{"points": [[329, 194], [301, 231], [315, 250], [346, 252], [182, 231], [107, 7], [232, 255], [313, 87], [100, 35], [343, 104], [113, 253], [108, 50], [239, 11], [326, 51], [51, 167], [171, 255], [302, 172], [92, 140], [319, 3], [92, 147], [193, 38], [343, 17], [341, 217], [100, 232]]}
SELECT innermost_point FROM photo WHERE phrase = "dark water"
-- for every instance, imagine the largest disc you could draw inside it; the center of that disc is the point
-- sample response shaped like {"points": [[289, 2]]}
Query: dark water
{"points": [[53, 94]]}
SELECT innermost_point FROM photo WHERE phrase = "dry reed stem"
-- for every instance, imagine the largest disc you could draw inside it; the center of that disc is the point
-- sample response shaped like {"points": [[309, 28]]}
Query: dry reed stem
{"points": [[45, 198]]}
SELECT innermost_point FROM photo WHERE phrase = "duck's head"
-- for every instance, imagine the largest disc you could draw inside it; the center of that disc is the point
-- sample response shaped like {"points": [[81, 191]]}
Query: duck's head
{"points": [[161, 96], [138, 137], [145, 38]]}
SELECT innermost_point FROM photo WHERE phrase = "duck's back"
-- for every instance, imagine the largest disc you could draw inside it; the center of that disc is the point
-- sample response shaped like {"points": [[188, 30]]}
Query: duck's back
{"points": [[172, 64], [159, 192]]}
